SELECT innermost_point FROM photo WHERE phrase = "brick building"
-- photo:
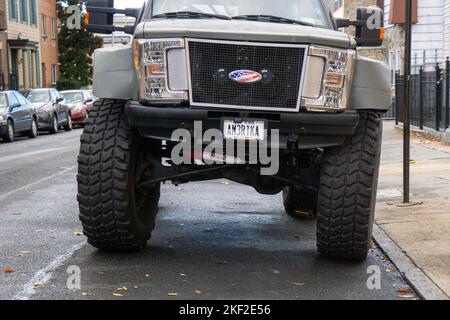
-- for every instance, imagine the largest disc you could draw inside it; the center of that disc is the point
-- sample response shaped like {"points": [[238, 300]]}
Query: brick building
{"points": [[23, 44], [49, 42], [3, 47]]}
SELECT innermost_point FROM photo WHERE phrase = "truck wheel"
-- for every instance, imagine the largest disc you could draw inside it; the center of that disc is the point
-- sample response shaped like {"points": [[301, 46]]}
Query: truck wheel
{"points": [[300, 203], [115, 213], [347, 193]]}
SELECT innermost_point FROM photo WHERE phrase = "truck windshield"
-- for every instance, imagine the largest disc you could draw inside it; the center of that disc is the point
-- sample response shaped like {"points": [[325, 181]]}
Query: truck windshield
{"points": [[310, 12]]}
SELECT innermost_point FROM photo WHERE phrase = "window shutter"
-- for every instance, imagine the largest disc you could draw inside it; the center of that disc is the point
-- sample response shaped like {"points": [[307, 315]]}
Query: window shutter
{"points": [[398, 14]]}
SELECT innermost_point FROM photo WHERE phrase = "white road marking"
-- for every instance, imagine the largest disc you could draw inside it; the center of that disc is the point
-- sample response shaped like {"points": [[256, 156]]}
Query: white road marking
{"points": [[44, 275], [8, 194], [32, 153]]}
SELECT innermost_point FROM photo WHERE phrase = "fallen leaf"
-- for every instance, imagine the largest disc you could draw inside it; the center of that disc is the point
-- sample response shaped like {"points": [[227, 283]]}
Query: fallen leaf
{"points": [[37, 286], [407, 296], [172, 294], [198, 291], [122, 289], [298, 284], [147, 275], [9, 270], [117, 295], [77, 234], [183, 274], [135, 287], [405, 290], [276, 272], [39, 231], [86, 294], [413, 162]]}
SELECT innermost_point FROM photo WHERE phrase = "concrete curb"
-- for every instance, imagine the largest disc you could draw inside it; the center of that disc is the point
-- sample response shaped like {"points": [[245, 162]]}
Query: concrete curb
{"points": [[424, 286]]}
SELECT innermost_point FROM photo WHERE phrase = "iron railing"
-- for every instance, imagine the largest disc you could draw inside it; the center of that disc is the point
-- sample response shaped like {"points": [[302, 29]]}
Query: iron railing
{"points": [[430, 96]]}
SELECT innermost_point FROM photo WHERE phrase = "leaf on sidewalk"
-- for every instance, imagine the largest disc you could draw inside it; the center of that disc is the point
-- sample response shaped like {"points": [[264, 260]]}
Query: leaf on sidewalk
{"points": [[122, 289], [172, 294], [183, 274], [37, 285], [298, 284], [9, 270], [407, 296], [78, 234], [405, 290], [117, 295], [198, 291]]}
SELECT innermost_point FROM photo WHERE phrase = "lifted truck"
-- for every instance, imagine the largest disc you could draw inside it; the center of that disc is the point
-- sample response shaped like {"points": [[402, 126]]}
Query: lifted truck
{"points": [[253, 66]]}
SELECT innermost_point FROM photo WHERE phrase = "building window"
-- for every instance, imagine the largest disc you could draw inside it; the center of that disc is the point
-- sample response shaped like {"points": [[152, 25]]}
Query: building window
{"points": [[24, 11], [13, 10], [53, 31], [44, 28], [54, 73], [33, 13]]}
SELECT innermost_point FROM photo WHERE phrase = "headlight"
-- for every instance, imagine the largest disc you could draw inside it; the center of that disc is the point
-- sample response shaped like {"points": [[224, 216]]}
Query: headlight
{"points": [[161, 65], [328, 79], [1, 118]]}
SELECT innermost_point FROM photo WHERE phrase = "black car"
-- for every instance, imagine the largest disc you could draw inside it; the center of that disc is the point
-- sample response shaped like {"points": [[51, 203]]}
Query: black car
{"points": [[17, 115], [51, 108]]}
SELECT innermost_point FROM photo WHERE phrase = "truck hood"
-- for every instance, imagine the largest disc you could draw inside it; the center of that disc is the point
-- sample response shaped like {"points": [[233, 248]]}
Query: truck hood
{"points": [[244, 31]]}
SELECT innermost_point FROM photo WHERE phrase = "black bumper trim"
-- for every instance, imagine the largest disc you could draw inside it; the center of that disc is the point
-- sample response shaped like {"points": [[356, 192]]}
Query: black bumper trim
{"points": [[314, 129]]}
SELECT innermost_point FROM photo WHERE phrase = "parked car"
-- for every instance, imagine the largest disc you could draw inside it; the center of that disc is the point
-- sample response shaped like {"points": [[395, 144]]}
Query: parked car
{"points": [[79, 102], [51, 108], [17, 115]]}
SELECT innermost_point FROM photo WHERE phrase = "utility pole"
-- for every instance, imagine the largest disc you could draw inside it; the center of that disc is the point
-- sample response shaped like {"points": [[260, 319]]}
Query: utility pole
{"points": [[406, 104]]}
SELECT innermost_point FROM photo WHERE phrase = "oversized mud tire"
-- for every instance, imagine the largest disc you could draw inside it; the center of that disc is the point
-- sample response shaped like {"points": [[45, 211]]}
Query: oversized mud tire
{"points": [[347, 193], [300, 203], [115, 213]]}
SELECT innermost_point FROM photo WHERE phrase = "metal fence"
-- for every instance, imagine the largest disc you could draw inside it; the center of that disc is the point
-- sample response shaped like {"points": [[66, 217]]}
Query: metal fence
{"points": [[430, 96]]}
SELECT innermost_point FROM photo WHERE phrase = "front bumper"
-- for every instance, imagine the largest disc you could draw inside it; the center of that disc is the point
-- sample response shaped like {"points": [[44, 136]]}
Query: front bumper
{"points": [[314, 130], [78, 117], [45, 120], [3, 128]]}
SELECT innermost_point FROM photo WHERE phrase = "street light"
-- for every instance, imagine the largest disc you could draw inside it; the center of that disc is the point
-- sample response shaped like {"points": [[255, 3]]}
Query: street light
{"points": [[406, 104]]}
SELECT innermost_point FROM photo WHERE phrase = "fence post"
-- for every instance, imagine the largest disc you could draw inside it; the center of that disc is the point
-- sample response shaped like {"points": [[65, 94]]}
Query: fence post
{"points": [[421, 96], [438, 105], [447, 93], [397, 95]]}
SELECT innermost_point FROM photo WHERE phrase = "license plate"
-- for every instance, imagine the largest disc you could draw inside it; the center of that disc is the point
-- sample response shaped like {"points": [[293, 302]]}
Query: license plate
{"points": [[244, 130]]}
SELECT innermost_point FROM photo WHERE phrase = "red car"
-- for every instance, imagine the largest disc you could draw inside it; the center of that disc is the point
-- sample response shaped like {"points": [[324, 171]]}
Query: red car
{"points": [[79, 102]]}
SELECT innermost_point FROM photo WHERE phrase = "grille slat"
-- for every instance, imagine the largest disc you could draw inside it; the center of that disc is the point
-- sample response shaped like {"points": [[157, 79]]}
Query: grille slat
{"points": [[212, 62]]}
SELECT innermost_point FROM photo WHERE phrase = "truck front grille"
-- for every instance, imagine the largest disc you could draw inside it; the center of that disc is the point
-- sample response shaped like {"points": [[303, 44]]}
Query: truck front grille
{"points": [[212, 62]]}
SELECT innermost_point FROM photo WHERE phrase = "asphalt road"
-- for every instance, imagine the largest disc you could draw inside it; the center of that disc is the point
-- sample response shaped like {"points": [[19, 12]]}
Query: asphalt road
{"points": [[214, 240]]}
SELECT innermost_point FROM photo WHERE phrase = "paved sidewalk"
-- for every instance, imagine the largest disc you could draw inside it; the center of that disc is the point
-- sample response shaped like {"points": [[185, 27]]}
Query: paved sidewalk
{"points": [[422, 231]]}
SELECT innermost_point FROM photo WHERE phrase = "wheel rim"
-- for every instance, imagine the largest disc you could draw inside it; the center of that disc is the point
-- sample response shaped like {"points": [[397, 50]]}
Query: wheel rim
{"points": [[34, 128], [69, 122], [55, 124], [10, 131]]}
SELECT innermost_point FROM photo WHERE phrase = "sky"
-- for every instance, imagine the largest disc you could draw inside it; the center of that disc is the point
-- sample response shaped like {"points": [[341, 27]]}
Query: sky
{"points": [[122, 4]]}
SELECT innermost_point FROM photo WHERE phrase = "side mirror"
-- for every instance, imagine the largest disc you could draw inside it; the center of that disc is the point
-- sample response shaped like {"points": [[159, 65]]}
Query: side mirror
{"points": [[58, 100], [15, 106], [89, 101], [369, 26], [100, 17]]}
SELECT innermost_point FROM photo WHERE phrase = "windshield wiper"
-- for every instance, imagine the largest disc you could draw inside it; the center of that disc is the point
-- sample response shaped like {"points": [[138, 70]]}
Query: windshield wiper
{"points": [[190, 14], [269, 18]]}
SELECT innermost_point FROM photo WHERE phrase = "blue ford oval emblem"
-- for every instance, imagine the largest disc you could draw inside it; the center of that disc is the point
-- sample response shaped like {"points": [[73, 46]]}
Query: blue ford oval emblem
{"points": [[245, 76]]}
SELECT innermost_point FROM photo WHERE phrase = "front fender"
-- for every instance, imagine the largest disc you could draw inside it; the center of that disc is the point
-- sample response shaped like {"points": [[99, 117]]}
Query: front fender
{"points": [[114, 74], [371, 89]]}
